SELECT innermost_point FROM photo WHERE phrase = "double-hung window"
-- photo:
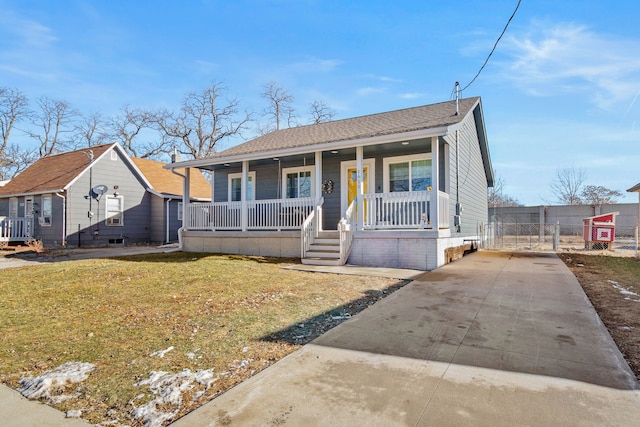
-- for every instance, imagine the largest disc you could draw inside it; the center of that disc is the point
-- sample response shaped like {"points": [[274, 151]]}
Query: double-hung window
{"points": [[235, 186], [45, 213], [114, 210], [297, 182], [407, 173]]}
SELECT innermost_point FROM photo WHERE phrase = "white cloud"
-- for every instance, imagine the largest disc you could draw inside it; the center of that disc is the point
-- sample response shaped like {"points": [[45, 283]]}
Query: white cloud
{"points": [[411, 95], [316, 65], [369, 90], [564, 58]]}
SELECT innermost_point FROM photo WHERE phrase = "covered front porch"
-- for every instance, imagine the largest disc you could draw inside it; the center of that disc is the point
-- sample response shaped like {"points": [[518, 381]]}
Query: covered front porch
{"points": [[326, 202]]}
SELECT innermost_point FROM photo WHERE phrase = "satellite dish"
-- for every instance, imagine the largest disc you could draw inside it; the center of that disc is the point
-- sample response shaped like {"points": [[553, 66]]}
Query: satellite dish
{"points": [[98, 191]]}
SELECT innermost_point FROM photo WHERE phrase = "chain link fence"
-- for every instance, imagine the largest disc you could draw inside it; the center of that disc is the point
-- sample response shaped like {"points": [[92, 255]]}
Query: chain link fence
{"points": [[555, 237]]}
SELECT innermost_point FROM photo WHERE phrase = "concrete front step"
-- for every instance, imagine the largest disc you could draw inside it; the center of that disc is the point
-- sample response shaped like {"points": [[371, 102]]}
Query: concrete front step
{"points": [[322, 254], [324, 247], [321, 261]]}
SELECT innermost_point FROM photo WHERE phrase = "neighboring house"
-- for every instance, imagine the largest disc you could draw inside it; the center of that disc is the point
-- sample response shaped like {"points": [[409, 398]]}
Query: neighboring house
{"points": [[166, 197], [405, 188], [95, 196]]}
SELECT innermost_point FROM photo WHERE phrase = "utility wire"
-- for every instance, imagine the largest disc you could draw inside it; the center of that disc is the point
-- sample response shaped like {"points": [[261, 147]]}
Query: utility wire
{"points": [[494, 47]]}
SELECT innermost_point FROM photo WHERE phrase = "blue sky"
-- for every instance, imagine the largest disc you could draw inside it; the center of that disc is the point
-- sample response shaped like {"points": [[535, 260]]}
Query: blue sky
{"points": [[560, 91]]}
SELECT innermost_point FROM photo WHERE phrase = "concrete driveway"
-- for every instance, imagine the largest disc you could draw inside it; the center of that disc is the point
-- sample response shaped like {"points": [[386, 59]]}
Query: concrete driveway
{"points": [[492, 339]]}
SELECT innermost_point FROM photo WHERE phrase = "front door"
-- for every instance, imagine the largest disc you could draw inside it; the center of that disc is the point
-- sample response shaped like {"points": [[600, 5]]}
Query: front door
{"points": [[352, 183]]}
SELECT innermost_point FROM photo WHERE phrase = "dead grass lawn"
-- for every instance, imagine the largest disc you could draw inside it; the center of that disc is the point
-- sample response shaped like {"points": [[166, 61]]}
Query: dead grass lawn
{"points": [[230, 314]]}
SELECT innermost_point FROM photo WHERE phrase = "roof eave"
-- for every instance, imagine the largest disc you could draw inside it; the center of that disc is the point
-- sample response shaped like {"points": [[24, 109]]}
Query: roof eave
{"points": [[635, 188], [337, 145], [34, 193]]}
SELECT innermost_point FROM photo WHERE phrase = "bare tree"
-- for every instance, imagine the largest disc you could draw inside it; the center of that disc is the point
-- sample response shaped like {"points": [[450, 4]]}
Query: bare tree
{"points": [[137, 131], [567, 185], [599, 195], [320, 112], [90, 130], [14, 107], [205, 118], [280, 106], [54, 119], [16, 160], [497, 198]]}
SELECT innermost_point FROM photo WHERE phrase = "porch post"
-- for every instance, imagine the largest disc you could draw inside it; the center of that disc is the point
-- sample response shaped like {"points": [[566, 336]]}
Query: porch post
{"points": [[186, 198], [359, 187], [435, 184], [244, 211], [318, 188]]}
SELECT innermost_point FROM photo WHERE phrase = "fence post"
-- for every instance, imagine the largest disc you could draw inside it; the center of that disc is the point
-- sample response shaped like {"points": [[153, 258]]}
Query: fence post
{"points": [[556, 237]]}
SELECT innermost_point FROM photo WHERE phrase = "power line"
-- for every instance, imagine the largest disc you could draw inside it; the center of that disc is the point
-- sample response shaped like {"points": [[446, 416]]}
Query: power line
{"points": [[494, 47]]}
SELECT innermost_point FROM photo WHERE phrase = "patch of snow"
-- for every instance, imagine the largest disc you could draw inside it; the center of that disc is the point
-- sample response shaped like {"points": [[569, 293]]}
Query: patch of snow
{"points": [[40, 386], [168, 389], [624, 291], [346, 316], [73, 413], [161, 353]]}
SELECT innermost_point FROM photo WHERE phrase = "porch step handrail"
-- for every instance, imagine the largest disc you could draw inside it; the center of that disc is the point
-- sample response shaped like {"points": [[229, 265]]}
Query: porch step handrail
{"points": [[310, 228], [345, 229]]}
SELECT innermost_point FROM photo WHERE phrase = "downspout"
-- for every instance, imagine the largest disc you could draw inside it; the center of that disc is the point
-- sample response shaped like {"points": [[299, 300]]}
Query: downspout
{"points": [[168, 219], [64, 219]]}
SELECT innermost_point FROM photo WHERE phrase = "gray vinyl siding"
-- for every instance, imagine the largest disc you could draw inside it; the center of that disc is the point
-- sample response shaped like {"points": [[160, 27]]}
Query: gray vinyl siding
{"points": [[137, 205], [157, 221], [469, 183]]}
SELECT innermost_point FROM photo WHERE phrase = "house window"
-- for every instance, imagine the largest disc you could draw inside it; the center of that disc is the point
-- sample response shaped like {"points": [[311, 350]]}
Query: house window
{"points": [[297, 182], [45, 213], [114, 210], [13, 207], [235, 187], [179, 211], [407, 173]]}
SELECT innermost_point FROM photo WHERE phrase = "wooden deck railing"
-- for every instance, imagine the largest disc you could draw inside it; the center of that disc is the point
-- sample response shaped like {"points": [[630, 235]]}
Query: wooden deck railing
{"points": [[273, 214], [409, 209]]}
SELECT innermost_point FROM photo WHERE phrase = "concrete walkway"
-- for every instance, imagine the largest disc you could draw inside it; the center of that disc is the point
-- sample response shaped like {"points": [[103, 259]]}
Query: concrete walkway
{"points": [[492, 339]]}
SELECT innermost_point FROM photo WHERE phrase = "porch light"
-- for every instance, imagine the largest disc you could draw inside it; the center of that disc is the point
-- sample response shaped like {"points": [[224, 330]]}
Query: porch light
{"points": [[405, 143], [334, 151], [275, 159], [226, 165]]}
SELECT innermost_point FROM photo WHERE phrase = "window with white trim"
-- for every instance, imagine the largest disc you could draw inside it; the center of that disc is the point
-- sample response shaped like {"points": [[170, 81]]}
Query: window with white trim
{"points": [[45, 212], [235, 186], [407, 173], [297, 182], [114, 215], [179, 211]]}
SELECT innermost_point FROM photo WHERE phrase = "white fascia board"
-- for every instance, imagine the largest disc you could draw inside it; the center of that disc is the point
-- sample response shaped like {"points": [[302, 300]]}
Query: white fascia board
{"points": [[338, 145]]}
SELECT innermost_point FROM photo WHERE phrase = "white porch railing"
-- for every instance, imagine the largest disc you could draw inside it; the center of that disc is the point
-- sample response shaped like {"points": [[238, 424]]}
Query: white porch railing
{"points": [[16, 229], [345, 229], [275, 214], [409, 209], [310, 228]]}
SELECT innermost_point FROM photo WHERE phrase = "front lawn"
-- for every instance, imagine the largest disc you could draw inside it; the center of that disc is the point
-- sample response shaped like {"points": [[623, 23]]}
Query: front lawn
{"points": [[158, 335]]}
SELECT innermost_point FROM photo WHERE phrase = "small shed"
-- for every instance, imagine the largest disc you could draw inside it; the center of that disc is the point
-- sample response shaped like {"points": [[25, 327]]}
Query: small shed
{"points": [[599, 231]]}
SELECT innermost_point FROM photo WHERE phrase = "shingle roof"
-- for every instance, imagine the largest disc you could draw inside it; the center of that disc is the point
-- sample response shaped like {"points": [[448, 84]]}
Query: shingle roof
{"points": [[388, 123], [52, 173], [165, 182]]}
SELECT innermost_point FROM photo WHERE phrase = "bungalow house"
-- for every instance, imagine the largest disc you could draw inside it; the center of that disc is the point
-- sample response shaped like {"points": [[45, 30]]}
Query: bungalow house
{"points": [[405, 188], [95, 196]]}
